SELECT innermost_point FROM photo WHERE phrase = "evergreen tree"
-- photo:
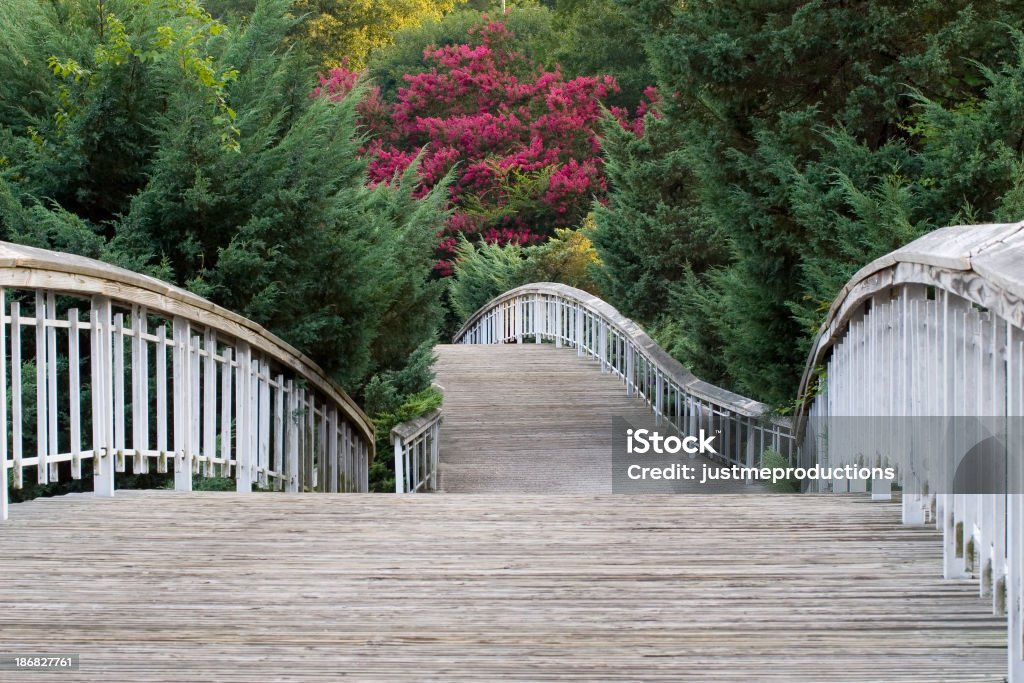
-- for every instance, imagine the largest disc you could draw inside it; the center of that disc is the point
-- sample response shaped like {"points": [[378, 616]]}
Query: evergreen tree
{"points": [[198, 153], [796, 118]]}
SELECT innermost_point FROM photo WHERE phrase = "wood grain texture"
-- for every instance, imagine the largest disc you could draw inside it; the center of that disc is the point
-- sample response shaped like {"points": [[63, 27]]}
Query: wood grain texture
{"points": [[527, 418], [174, 586]]}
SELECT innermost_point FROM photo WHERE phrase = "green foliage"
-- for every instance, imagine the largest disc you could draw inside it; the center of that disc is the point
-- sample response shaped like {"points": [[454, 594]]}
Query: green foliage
{"points": [[593, 38], [653, 229], [569, 258], [392, 397], [531, 26], [482, 271], [809, 137], [350, 30], [486, 269], [773, 459], [87, 79], [287, 233]]}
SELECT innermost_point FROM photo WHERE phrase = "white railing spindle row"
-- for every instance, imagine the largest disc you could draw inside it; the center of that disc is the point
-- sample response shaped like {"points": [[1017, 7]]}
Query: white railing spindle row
{"points": [[172, 380], [926, 344]]}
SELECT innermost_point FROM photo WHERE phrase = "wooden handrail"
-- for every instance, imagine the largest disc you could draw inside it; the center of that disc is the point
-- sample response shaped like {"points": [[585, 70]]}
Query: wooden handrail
{"points": [[931, 337], [199, 386], [417, 451]]}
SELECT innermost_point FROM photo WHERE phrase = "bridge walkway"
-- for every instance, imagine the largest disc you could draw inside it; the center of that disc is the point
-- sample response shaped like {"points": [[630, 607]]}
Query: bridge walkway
{"points": [[176, 586]]}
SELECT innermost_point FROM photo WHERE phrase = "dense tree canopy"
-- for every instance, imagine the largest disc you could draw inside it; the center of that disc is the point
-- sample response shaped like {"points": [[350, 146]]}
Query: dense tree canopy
{"points": [[809, 137], [792, 141], [153, 136], [523, 141]]}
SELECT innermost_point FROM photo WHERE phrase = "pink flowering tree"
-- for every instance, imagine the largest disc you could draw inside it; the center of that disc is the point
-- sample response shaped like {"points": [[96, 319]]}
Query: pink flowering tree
{"points": [[523, 141]]}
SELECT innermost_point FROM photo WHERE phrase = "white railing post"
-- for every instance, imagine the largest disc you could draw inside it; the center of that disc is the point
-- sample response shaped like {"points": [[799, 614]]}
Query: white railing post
{"points": [[399, 467], [42, 431], [74, 391], [1015, 583], [16, 426], [435, 453], [226, 401], [293, 482], [182, 399], [140, 392], [243, 425], [558, 322], [3, 406], [102, 398]]}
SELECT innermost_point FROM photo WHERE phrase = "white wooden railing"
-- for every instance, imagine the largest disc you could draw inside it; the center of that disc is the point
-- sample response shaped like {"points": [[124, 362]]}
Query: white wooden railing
{"points": [[104, 365], [416, 446], [933, 330], [573, 318]]}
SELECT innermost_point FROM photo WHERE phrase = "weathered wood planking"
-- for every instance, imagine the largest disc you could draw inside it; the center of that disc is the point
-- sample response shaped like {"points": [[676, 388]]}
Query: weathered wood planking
{"points": [[528, 418], [174, 586]]}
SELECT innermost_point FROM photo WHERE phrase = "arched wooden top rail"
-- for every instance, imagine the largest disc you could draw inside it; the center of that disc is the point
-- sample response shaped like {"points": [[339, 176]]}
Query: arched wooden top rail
{"points": [[658, 356], [983, 264], [33, 268]]}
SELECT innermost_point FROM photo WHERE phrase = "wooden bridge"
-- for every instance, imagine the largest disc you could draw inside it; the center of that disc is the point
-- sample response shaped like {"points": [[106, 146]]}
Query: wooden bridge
{"points": [[494, 579]]}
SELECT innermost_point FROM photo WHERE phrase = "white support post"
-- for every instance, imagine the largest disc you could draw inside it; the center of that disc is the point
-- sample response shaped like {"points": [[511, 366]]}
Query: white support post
{"points": [[182, 396], [4, 512], [42, 432], [559, 332], [263, 407], [161, 398], [140, 393], [630, 384], [312, 446], [536, 319], [1015, 584], [399, 467], [102, 398], [435, 453], [750, 453], [279, 456], [119, 398], [74, 392], [364, 465], [16, 418], [209, 403], [226, 396], [602, 345], [195, 421], [51, 383], [292, 480], [243, 450], [578, 327], [332, 451]]}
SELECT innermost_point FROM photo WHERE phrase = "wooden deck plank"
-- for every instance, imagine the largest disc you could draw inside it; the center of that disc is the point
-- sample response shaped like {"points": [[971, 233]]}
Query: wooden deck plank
{"points": [[528, 418], [173, 586]]}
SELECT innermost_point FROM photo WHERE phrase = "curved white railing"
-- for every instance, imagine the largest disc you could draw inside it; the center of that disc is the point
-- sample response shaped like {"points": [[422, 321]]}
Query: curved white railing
{"points": [[416, 453], [931, 337], [167, 378], [571, 317]]}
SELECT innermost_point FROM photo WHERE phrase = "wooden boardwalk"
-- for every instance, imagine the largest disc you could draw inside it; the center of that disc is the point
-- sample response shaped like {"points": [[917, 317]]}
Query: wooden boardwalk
{"points": [[168, 586], [528, 418]]}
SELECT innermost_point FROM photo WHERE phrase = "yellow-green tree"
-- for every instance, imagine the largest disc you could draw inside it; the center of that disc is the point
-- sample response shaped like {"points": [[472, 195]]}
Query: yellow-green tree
{"points": [[340, 29]]}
